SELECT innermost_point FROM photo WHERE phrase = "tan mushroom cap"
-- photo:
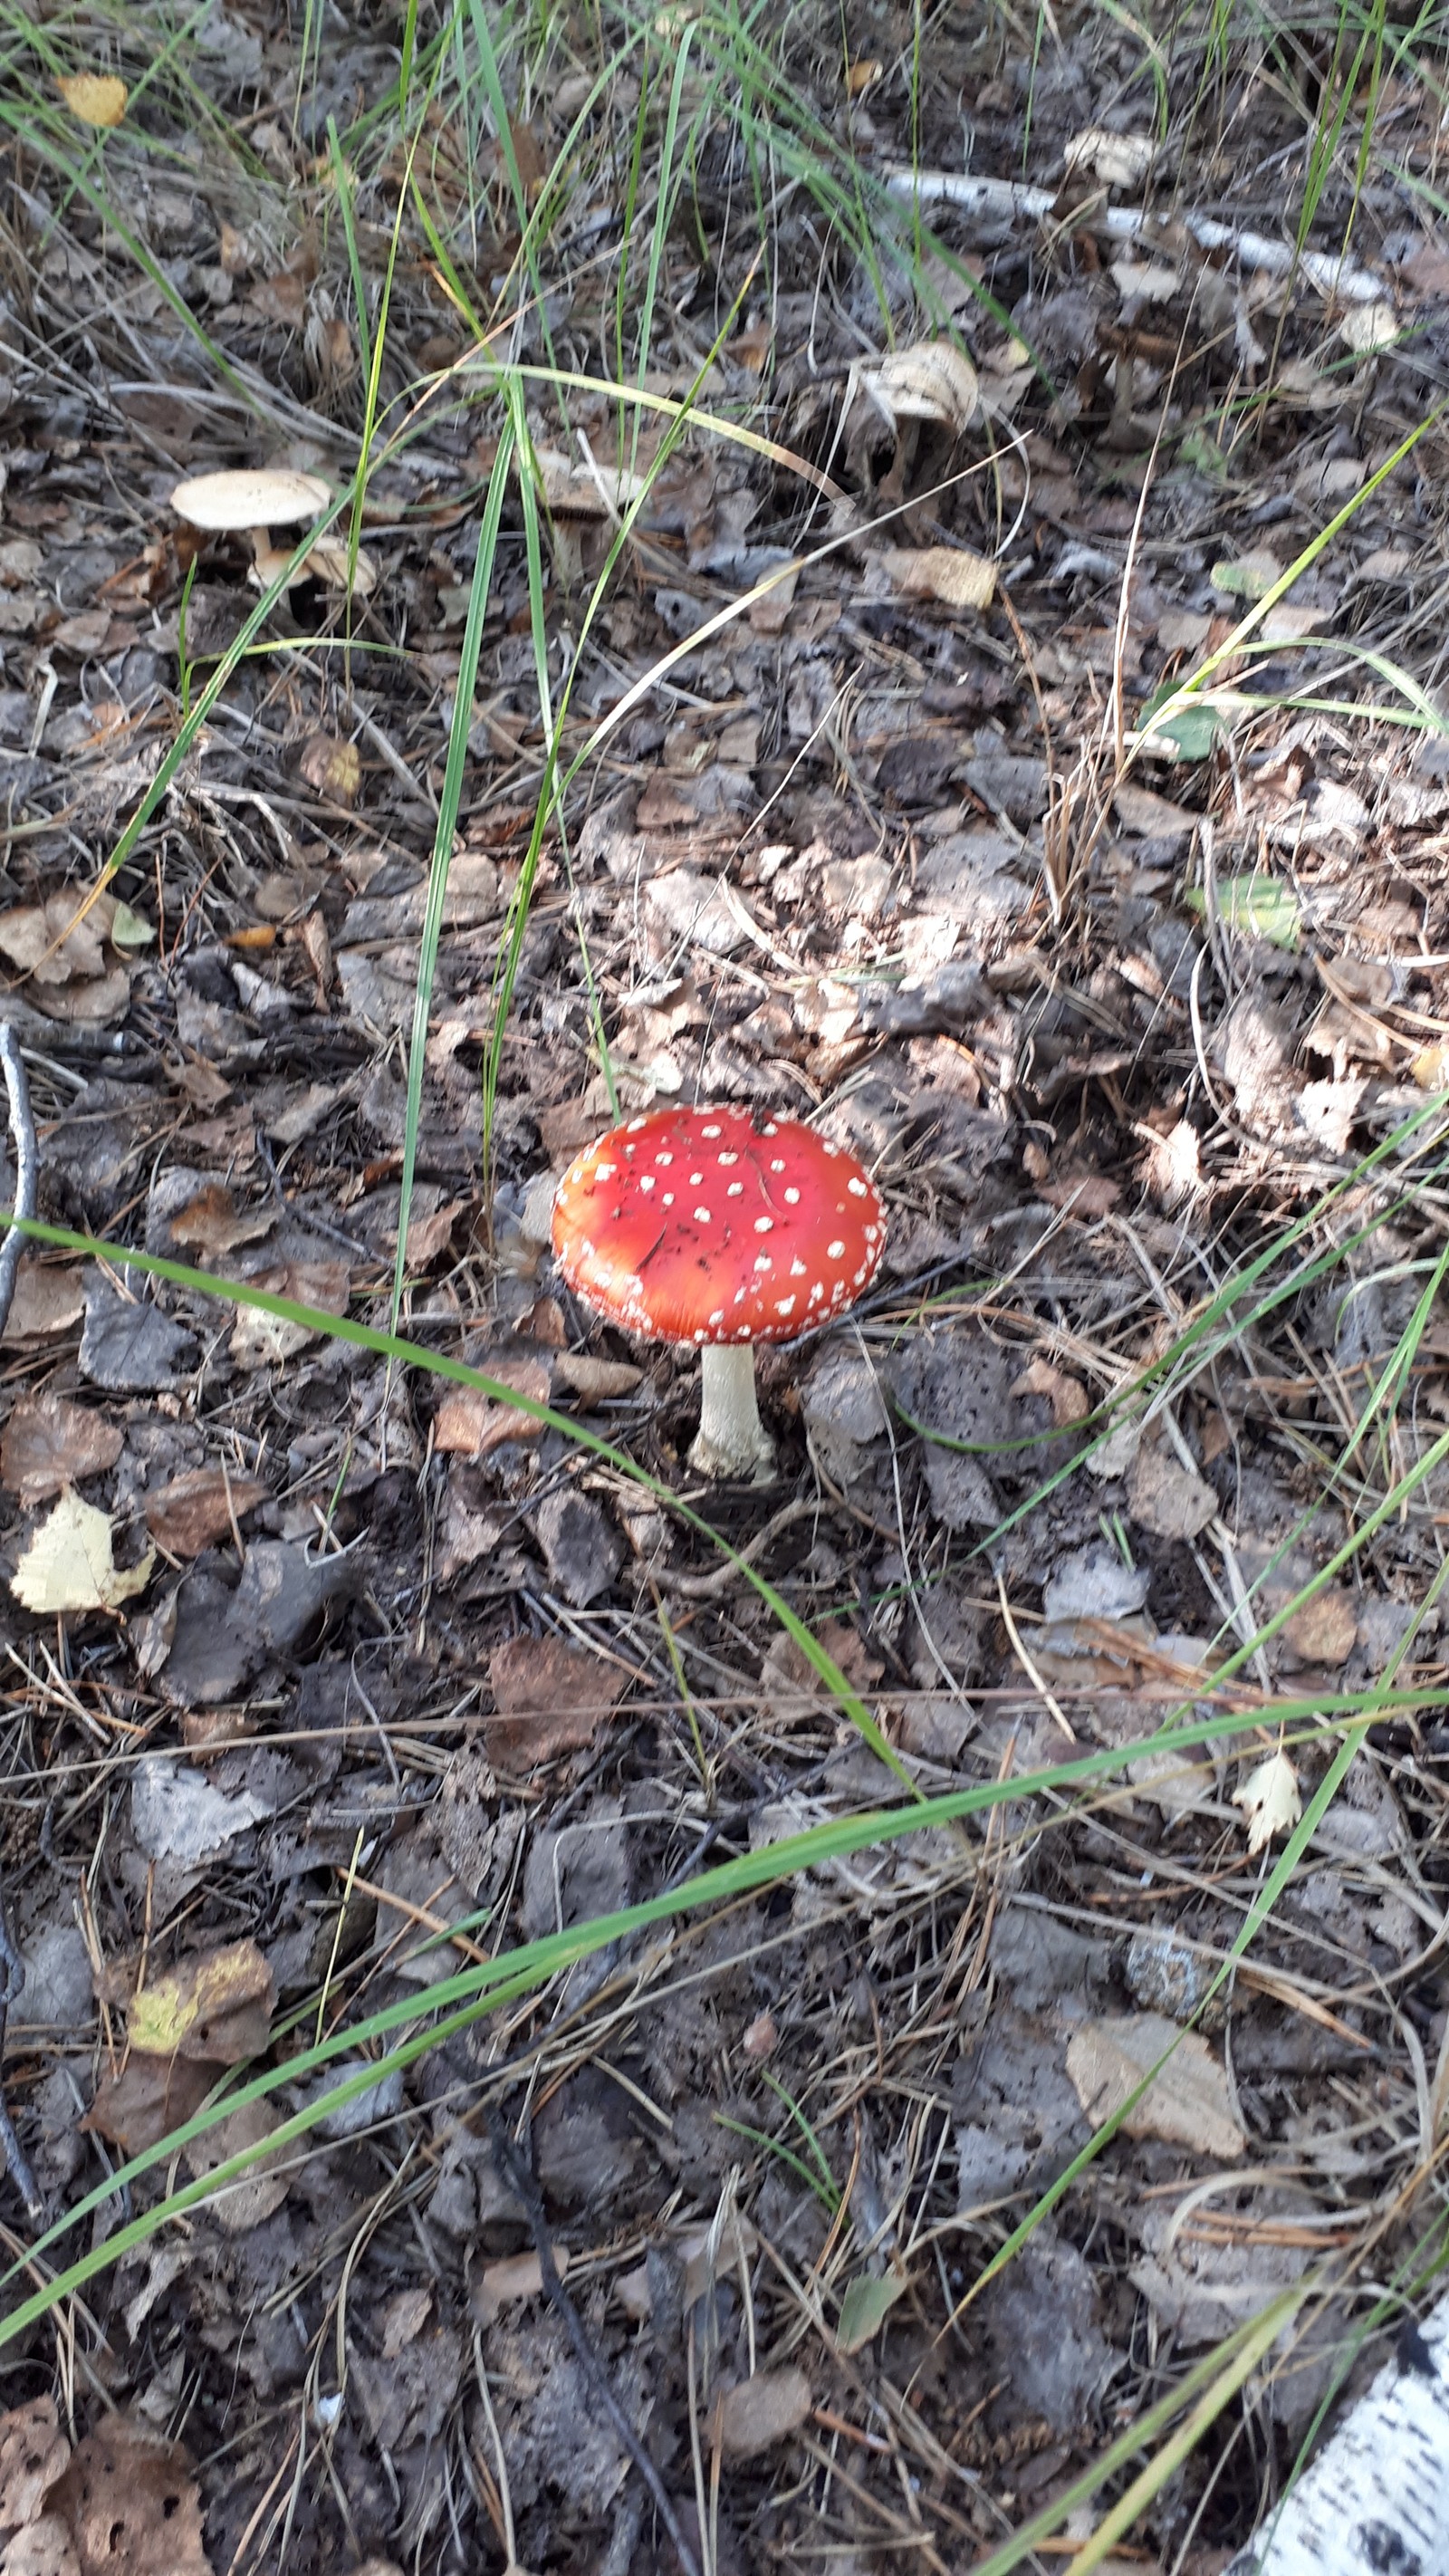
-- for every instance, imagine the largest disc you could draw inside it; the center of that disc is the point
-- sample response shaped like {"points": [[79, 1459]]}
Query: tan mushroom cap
{"points": [[251, 496]]}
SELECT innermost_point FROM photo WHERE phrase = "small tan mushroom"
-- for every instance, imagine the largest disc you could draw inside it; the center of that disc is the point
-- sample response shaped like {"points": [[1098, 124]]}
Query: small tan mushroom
{"points": [[252, 501]]}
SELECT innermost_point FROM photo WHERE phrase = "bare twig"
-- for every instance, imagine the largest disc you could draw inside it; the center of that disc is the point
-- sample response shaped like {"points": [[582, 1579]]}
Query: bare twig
{"points": [[517, 2171]]}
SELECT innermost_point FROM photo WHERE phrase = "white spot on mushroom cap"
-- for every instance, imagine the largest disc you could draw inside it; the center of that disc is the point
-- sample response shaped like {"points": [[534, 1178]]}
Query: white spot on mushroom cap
{"points": [[763, 1261], [858, 1189], [701, 1216], [797, 1268], [718, 1316], [694, 1179], [605, 1171], [664, 1158], [711, 1131], [792, 1198], [764, 1224], [785, 1306], [729, 1158], [667, 1200], [646, 1180], [736, 1190], [834, 1251], [778, 1164]]}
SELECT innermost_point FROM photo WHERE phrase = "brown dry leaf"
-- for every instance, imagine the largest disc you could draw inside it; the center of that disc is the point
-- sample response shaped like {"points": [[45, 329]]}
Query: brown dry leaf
{"points": [[50, 1443], [97, 98], [1066, 1395], [69, 1564], [430, 1233], [952, 574], [1155, 817], [33, 2453], [132, 2504], [195, 1510], [280, 298], [551, 1698], [147, 2098], [1325, 1629], [518, 2276], [1189, 2105], [761, 2411], [49, 1298], [333, 768], [211, 1223], [932, 380], [251, 2196], [1165, 1498], [216, 2008], [1269, 1799], [259, 1339], [71, 975], [470, 1423]]}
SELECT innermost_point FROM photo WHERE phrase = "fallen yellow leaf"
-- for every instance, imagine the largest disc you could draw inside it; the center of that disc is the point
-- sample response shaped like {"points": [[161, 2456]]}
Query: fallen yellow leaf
{"points": [[69, 1564], [97, 98]]}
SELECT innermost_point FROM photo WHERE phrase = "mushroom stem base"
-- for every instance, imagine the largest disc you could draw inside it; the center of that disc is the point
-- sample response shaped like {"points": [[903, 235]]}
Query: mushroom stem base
{"points": [[732, 1439]]}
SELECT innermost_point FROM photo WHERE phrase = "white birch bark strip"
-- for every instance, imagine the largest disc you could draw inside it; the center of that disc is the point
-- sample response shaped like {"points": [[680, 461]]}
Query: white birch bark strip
{"points": [[1375, 2501], [1009, 199]]}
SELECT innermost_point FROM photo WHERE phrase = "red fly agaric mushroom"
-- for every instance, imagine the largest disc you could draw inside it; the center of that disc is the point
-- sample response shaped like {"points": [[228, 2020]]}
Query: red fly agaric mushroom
{"points": [[709, 1227]]}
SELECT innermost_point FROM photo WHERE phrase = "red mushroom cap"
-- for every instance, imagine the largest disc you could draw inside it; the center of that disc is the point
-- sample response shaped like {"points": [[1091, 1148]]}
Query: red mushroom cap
{"points": [[698, 1225]]}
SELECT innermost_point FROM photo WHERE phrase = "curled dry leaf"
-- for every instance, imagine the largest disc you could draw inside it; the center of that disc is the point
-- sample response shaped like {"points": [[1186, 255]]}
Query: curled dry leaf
{"points": [[69, 1564], [1066, 1395], [952, 574], [518, 2276], [1270, 1801], [1188, 2104], [932, 380], [50, 1443]]}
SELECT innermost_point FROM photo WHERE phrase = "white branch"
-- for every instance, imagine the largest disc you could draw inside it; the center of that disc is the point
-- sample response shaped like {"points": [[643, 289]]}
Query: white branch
{"points": [[1010, 199], [1376, 2498]]}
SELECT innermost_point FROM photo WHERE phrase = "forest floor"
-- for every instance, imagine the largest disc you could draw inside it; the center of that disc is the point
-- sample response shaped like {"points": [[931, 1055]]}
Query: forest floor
{"points": [[963, 673]]}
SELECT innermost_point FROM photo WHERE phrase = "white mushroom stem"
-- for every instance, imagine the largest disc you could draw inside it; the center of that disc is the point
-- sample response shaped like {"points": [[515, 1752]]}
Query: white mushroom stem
{"points": [[732, 1439]]}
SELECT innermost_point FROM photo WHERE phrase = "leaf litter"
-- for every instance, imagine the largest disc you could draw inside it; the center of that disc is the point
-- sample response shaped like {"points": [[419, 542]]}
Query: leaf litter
{"points": [[1109, 985]]}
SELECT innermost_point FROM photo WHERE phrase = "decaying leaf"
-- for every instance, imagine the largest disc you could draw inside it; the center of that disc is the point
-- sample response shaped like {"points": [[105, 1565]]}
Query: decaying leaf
{"points": [[132, 2503], [69, 1564], [1167, 1498], [260, 1339], [550, 1698], [33, 2454], [254, 2195], [761, 2411], [1188, 2104], [97, 98], [1270, 1801], [952, 574], [471, 1423], [49, 1298], [517, 2277], [217, 2008], [50, 1443], [1256, 907], [932, 380]]}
